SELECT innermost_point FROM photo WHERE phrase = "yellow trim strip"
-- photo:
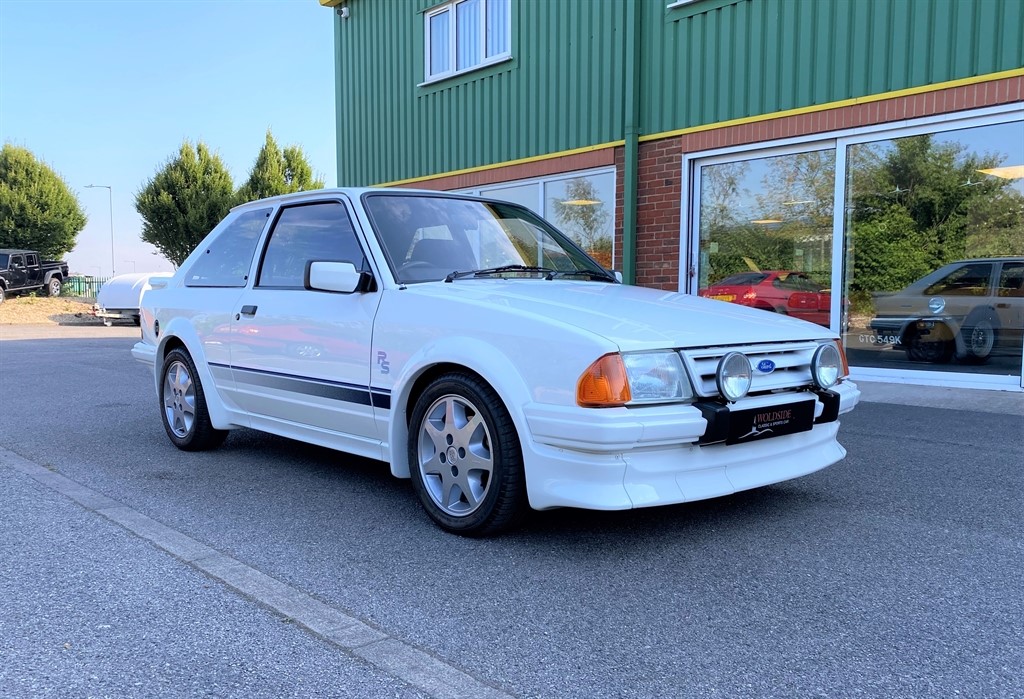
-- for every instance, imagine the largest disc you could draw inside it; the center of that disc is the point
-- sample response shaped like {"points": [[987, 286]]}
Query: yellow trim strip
{"points": [[507, 163], [935, 87], [1016, 72]]}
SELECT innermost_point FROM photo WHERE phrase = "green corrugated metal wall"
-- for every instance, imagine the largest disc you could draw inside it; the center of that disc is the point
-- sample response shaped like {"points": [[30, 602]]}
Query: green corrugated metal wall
{"points": [[389, 128], [705, 62], [761, 56]]}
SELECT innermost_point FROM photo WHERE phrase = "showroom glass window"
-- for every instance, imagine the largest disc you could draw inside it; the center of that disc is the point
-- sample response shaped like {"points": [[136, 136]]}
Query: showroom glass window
{"points": [[303, 234], [765, 233], [464, 35], [580, 204], [934, 232], [227, 257]]}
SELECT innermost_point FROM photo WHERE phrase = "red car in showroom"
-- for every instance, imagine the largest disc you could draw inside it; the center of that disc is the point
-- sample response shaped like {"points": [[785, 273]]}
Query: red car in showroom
{"points": [[791, 293]]}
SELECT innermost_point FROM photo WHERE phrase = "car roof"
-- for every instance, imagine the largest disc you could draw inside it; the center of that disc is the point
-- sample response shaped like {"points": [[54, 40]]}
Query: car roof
{"points": [[354, 193], [988, 259], [12, 251]]}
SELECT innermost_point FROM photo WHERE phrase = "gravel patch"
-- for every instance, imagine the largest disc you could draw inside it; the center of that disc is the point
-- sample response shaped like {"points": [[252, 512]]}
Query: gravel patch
{"points": [[36, 310]]}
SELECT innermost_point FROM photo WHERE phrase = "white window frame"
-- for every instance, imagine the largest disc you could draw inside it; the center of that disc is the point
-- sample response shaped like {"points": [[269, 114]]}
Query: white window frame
{"points": [[453, 40], [841, 140]]}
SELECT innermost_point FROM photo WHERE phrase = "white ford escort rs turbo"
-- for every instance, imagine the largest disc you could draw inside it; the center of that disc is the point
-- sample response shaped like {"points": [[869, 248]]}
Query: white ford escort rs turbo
{"points": [[478, 351]]}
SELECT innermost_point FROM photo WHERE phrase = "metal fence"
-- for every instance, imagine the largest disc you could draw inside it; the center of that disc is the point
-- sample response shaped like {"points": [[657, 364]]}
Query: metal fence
{"points": [[83, 287]]}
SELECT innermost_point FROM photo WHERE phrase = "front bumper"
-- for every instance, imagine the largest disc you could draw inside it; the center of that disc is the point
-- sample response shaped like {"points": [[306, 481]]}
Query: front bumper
{"points": [[624, 458]]}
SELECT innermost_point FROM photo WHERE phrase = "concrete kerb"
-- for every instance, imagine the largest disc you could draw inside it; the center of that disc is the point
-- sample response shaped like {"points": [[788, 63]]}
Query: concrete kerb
{"points": [[967, 399], [349, 634]]}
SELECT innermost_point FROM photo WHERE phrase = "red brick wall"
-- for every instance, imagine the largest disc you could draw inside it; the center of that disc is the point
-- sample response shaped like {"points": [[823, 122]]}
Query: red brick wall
{"points": [[989, 94], [521, 171], [658, 214]]}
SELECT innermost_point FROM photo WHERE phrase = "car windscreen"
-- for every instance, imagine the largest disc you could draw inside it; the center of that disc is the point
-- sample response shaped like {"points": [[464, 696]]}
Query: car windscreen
{"points": [[4, 260], [429, 238]]}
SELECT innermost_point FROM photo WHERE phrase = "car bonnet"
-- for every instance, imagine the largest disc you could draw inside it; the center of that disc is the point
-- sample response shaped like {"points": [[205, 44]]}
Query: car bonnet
{"points": [[632, 317]]}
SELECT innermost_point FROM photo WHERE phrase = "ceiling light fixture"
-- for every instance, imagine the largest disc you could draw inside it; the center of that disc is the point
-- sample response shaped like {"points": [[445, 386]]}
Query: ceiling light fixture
{"points": [[1008, 172]]}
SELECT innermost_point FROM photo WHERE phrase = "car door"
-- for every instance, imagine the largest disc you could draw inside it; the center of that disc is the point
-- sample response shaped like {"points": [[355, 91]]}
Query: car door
{"points": [[17, 273], [1009, 301], [300, 357], [965, 289], [33, 272], [804, 298], [213, 282]]}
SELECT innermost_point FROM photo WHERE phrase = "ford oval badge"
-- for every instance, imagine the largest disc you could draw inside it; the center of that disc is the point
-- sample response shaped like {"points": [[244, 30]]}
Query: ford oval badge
{"points": [[766, 366]]}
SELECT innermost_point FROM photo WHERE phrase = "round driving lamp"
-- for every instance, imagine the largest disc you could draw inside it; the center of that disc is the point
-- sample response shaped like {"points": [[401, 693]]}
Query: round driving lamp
{"points": [[826, 366], [733, 376]]}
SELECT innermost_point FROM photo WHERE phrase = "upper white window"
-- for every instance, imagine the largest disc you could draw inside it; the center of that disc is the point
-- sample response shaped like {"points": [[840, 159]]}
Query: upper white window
{"points": [[466, 34]]}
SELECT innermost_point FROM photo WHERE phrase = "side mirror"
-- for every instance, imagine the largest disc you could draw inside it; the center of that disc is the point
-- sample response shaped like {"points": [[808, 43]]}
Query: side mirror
{"points": [[618, 275], [339, 277]]}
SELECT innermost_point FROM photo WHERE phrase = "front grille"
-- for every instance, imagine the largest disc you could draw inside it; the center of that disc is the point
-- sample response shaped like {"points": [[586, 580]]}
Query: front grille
{"points": [[792, 366]]}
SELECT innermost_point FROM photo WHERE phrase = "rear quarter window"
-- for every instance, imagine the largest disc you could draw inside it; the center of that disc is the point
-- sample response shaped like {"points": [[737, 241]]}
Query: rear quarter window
{"points": [[227, 255]]}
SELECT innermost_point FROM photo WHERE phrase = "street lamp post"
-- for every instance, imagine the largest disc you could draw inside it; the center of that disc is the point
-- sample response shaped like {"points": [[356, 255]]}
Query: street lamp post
{"points": [[110, 197]]}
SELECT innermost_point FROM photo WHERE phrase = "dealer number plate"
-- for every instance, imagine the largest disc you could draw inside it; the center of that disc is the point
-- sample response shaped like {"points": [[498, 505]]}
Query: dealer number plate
{"points": [[772, 421]]}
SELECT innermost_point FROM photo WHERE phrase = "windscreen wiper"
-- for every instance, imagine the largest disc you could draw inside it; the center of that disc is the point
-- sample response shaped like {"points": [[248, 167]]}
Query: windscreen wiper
{"points": [[548, 273], [498, 270], [593, 274]]}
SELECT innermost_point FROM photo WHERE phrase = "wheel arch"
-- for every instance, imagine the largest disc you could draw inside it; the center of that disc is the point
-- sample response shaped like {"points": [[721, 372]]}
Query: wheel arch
{"points": [[486, 362], [180, 335], [981, 313]]}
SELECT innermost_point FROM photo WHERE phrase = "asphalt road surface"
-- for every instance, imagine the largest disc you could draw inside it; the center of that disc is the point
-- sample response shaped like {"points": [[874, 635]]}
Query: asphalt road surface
{"points": [[270, 568]]}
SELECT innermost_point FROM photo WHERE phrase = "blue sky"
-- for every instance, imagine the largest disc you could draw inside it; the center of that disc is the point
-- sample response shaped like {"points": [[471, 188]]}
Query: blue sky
{"points": [[105, 91]]}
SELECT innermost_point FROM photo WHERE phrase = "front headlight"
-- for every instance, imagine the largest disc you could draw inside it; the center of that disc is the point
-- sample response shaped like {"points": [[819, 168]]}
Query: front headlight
{"points": [[616, 380], [734, 376], [826, 366], [656, 377]]}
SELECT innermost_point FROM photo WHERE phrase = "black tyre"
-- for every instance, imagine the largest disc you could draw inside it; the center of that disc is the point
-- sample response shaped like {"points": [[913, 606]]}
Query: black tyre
{"points": [[933, 347], [183, 405], [979, 334], [53, 286], [465, 458]]}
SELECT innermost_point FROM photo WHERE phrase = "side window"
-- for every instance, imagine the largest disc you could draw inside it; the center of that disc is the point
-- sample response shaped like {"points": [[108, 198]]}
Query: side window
{"points": [[969, 280], [31, 260], [303, 234], [17, 261], [1011, 281], [228, 253]]}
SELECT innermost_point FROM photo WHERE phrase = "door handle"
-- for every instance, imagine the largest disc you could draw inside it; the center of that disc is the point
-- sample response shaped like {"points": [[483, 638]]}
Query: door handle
{"points": [[248, 310], [1002, 305]]}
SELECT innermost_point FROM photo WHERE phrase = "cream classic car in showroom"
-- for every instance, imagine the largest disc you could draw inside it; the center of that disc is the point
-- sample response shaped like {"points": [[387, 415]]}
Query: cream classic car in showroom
{"points": [[966, 310], [478, 351]]}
